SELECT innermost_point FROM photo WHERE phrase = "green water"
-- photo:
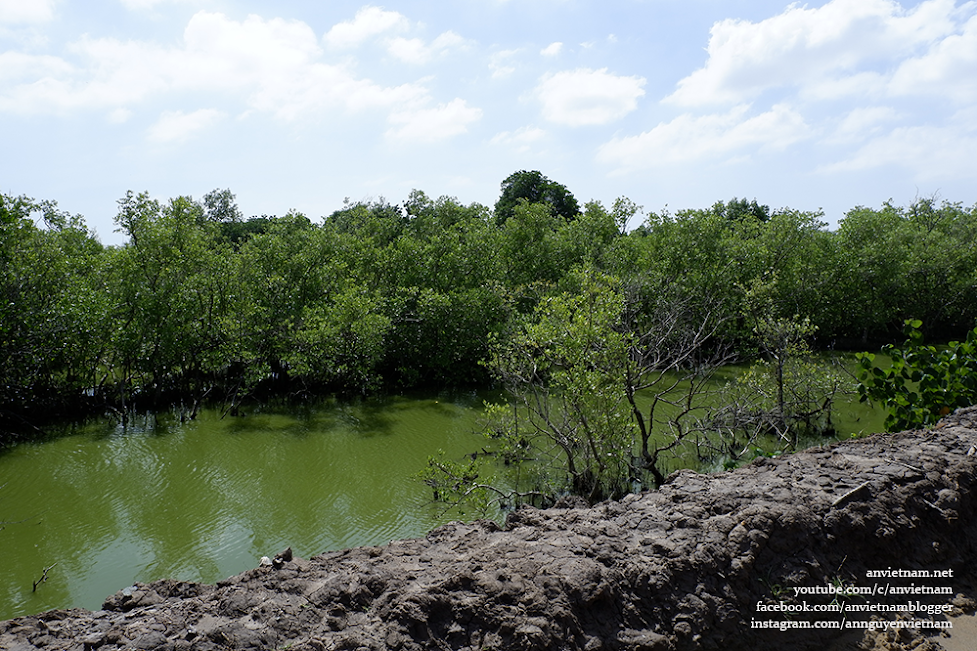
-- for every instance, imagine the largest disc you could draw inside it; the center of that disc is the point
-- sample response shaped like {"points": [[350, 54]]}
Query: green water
{"points": [[207, 499]]}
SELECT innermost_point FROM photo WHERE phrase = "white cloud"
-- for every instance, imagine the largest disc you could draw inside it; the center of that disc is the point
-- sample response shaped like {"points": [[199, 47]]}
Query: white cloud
{"points": [[273, 65], [26, 11], [552, 49], [862, 85], [501, 63], [119, 115], [688, 138], [949, 68], [520, 135], [588, 97], [930, 152], [862, 123], [415, 51], [433, 124], [368, 23], [520, 140], [16, 66], [242, 52], [411, 50], [177, 126], [109, 73], [819, 46]]}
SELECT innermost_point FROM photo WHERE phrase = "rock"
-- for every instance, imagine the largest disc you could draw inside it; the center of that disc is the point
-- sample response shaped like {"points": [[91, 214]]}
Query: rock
{"points": [[281, 558], [149, 640], [131, 597]]}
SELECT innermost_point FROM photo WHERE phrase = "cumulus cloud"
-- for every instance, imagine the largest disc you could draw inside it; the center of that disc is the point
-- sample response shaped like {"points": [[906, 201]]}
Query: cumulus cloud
{"points": [[17, 66], [108, 73], [719, 136], [949, 68], [501, 63], [243, 52], [177, 126], [368, 23], [433, 124], [552, 49], [862, 123], [860, 85], [13, 12], [821, 46], [416, 51], [274, 65], [588, 97], [929, 152]]}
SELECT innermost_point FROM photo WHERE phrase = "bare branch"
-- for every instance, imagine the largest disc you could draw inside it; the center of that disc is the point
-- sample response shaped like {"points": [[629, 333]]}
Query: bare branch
{"points": [[43, 576]]}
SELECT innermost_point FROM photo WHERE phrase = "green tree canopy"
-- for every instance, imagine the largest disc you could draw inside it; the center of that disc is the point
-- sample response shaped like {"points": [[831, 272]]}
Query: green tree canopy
{"points": [[533, 187], [739, 209]]}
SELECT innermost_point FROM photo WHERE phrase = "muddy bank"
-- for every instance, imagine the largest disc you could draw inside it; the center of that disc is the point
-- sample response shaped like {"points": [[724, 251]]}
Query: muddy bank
{"points": [[681, 568]]}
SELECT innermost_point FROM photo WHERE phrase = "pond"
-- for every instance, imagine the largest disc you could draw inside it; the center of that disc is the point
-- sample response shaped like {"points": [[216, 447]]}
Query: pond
{"points": [[104, 506], [200, 501]]}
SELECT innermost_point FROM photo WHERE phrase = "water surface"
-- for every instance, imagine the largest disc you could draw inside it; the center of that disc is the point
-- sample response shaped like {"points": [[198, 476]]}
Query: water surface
{"points": [[200, 501], [204, 500]]}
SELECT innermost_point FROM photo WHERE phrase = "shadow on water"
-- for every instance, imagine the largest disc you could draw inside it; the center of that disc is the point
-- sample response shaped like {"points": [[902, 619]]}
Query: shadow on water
{"points": [[205, 499], [365, 417]]}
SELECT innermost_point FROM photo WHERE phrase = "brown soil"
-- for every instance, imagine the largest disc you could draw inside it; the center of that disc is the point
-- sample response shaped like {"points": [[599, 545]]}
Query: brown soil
{"points": [[680, 568]]}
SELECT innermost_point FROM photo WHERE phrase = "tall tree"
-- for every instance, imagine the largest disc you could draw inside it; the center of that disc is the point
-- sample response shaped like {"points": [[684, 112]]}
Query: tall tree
{"points": [[52, 307], [219, 206], [739, 209], [533, 187]]}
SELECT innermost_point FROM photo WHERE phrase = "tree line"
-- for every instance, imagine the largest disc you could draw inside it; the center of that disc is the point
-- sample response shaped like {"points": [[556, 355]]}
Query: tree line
{"points": [[201, 304]]}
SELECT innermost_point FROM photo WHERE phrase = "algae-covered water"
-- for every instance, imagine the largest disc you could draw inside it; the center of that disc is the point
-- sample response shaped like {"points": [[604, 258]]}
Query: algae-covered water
{"points": [[107, 506], [103, 506]]}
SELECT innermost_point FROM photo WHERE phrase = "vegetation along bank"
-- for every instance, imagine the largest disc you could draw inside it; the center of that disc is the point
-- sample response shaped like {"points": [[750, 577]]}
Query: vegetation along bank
{"points": [[556, 303], [203, 304]]}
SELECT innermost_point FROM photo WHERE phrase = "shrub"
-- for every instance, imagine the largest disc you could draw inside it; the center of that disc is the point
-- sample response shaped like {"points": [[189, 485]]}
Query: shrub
{"points": [[924, 383]]}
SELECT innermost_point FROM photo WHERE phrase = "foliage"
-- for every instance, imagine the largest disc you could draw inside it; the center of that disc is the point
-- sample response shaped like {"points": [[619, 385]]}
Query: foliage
{"points": [[924, 383], [533, 187], [740, 209], [786, 393], [219, 206], [563, 368], [201, 303], [52, 309], [899, 263], [580, 370]]}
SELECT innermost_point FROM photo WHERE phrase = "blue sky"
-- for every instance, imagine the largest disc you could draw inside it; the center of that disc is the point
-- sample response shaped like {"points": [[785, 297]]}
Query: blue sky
{"points": [[299, 104]]}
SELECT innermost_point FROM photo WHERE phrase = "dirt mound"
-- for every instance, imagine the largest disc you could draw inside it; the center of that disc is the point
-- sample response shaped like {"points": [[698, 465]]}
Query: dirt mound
{"points": [[728, 561]]}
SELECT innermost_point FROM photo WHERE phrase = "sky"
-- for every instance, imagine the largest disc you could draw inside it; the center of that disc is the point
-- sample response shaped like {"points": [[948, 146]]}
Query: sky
{"points": [[300, 104]]}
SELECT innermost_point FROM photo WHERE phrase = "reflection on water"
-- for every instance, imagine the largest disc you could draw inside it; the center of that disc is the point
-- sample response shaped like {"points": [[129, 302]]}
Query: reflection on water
{"points": [[205, 500]]}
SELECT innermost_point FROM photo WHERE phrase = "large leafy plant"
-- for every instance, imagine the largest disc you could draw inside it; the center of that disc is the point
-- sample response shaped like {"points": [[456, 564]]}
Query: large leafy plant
{"points": [[924, 383]]}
